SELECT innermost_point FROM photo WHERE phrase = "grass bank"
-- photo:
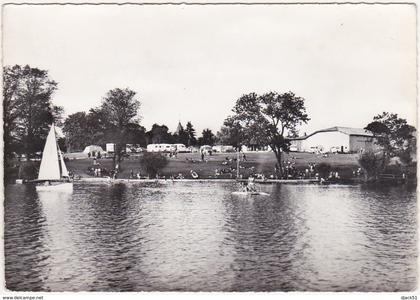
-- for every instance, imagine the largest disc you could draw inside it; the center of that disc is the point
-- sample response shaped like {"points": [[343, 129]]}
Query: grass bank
{"points": [[224, 163]]}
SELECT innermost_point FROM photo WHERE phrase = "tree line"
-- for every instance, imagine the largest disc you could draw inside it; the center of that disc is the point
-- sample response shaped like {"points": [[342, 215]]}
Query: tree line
{"points": [[117, 120], [27, 109], [29, 112], [271, 119], [396, 139]]}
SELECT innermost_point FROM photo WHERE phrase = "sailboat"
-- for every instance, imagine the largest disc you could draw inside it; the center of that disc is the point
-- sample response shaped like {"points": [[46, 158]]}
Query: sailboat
{"points": [[53, 174]]}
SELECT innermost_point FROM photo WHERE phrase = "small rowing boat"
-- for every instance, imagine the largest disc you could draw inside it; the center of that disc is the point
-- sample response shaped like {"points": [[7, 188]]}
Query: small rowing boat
{"points": [[243, 193]]}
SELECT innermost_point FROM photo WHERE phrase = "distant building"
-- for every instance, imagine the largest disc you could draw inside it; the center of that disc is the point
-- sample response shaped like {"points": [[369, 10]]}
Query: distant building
{"points": [[335, 139], [179, 128], [254, 145]]}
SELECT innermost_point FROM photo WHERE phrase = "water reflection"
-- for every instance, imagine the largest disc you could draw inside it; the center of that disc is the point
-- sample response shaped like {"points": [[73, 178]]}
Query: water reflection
{"points": [[24, 249], [107, 224], [57, 236], [263, 233], [192, 236], [390, 222], [330, 237], [183, 247]]}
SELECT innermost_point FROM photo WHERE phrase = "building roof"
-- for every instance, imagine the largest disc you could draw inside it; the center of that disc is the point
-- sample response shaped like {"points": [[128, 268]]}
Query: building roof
{"points": [[179, 128], [345, 130], [350, 130]]}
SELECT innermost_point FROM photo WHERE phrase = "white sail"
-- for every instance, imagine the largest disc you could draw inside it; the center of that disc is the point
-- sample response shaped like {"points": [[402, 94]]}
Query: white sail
{"points": [[64, 171], [50, 169]]}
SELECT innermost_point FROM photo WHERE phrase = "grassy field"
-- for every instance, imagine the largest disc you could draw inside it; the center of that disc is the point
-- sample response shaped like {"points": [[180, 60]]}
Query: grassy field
{"points": [[224, 163]]}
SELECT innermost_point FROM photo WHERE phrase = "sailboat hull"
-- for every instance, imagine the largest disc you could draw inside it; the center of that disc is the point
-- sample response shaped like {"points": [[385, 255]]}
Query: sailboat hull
{"points": [[58, 187]]}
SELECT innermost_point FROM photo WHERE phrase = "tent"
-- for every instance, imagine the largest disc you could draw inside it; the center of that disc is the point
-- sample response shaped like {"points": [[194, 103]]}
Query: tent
{"points": [[91, 148]]}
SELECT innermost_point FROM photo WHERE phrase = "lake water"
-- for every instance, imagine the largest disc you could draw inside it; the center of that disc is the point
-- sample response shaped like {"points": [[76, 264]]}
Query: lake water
{"points": [[200, 237]]}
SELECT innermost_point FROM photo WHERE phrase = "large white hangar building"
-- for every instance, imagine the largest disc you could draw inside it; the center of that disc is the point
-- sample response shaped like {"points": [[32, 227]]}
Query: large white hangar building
{"points": [[335, 139]]}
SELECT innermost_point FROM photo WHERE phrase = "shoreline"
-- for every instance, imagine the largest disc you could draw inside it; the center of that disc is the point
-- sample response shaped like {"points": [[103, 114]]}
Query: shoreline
{"points": [[232, 180], [123, 180]]}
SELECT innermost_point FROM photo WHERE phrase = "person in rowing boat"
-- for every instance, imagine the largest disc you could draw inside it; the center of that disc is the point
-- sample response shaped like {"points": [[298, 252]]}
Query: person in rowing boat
{"points": [[250, 187]]}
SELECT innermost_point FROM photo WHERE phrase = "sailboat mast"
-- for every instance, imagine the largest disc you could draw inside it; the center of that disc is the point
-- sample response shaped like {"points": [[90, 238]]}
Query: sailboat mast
{"points": [[62, 166], [58, 150]]}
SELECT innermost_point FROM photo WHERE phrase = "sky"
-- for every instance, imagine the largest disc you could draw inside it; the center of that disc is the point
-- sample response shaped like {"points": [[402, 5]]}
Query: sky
{"points": [[191, 63]]}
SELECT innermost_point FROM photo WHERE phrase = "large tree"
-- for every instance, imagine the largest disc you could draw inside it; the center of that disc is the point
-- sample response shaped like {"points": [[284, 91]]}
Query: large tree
{"points": [[76, 131], [207, 138], [28, 110], [190, 131], [97, 126], [119, 114], [93, 128], [12, 81], [231, 133], [269, 119], [159, 134], [394, 135], [136, 134]]}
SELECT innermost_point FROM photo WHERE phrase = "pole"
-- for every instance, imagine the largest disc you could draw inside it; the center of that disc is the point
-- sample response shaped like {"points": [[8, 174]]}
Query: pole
{"points": [[237, 163]]}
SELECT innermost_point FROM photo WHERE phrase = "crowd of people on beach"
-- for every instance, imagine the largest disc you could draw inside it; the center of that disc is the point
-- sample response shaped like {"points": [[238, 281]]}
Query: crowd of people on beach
{"points": [[290, 171], [227, 169], [97, 170]]}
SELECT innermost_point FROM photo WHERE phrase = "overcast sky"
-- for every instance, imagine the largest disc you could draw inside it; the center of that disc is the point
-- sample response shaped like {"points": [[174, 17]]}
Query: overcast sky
{"points": [[191, 63]]}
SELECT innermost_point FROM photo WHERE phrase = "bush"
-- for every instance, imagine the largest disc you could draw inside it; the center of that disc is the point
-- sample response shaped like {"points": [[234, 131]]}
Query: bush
{"points": [[152, 163], [10, 174], [28, 170], [373, 164], [323, 169], [406, 156]]}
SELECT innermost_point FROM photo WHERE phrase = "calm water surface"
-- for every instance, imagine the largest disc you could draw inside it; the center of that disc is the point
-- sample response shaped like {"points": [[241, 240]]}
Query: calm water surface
{"points": [[199, 237]]}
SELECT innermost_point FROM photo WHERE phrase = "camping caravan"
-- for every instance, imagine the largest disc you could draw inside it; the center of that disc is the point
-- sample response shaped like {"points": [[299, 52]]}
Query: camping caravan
{"points": [[180, 148], [223, 148], [133, 148], [110, 147], [159, 148]]}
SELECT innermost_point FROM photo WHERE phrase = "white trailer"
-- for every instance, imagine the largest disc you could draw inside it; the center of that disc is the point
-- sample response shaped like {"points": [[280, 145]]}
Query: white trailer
{"points": [[159, 148], [110, 147]]}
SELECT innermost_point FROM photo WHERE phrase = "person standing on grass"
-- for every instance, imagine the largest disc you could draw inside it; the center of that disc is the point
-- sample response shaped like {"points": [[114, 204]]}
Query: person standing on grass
{"points": [[202, 155]]}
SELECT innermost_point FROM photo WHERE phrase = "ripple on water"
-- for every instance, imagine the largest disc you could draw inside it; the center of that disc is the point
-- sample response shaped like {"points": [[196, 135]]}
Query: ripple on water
{"points": [[199, 237]]}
